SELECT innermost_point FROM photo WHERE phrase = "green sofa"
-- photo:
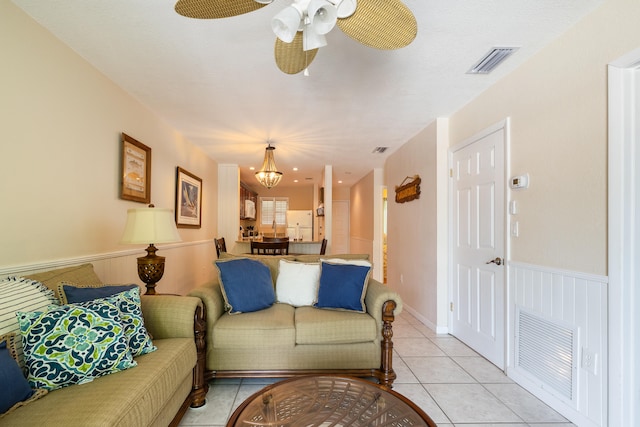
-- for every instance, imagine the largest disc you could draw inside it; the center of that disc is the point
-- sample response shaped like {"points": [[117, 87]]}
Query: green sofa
{"points": [[157, 392], [283, 340]]}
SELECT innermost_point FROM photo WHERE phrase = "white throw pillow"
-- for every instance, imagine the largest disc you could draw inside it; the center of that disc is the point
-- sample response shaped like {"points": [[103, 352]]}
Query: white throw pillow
{"points": [[297, 283], [360, 262]]}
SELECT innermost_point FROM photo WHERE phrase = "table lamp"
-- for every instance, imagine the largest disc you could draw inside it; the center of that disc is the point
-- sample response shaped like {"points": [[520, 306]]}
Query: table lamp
{"points": [[150, 226]]}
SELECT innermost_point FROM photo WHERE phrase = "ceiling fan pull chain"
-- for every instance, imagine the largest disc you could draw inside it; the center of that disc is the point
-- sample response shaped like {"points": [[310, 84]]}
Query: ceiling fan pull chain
{"points": [[306, 64]]}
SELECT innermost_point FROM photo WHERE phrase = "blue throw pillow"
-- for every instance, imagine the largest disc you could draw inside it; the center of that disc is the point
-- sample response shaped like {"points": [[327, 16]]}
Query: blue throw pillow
{"points": [[15, 387], [246, 285], [343, 286], [78, 294]]}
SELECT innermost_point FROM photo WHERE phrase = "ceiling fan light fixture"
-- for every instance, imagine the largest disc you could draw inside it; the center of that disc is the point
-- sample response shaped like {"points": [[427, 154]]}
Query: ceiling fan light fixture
{"points": [[268, 175], [286, 23], [312, 40], [345, 8], [323, 16]]}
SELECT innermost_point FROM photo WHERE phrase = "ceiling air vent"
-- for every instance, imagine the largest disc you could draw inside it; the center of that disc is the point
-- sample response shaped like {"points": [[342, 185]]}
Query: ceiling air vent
{"points": [[491, 60], [379, 150]]}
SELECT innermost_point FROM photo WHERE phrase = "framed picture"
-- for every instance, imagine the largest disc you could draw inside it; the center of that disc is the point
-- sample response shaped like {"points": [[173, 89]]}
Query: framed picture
{"points": [[188, 199], [136, 170]]}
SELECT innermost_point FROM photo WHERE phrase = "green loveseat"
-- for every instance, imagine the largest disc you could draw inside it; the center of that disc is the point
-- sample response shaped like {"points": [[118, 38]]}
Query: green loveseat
{"points": [[283, 341], [156, 392]]}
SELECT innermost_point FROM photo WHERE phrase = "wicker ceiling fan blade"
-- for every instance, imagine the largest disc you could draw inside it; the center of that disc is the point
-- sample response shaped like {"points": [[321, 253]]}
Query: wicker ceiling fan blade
{"points": [[290, 57], [381, 24], [212, 9]]}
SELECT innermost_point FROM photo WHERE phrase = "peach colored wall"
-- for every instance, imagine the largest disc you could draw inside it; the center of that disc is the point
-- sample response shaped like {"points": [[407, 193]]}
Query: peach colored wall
{"points": [[361, 216], [557, 102], [411, 226], [341, 193], [361, 221], [61, 126]]}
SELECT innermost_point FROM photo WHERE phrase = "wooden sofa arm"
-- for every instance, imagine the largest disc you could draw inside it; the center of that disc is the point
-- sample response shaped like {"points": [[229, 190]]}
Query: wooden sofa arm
{"points": [[376, 297], [383, 305]]}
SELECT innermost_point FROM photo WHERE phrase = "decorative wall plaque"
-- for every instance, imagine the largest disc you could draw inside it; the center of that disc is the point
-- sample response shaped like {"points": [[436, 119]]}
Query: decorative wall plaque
{"points": [[407, 191]]}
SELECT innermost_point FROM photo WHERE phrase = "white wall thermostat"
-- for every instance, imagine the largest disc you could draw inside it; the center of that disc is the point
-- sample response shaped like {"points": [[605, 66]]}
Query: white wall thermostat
{"points": [[520, 181]]}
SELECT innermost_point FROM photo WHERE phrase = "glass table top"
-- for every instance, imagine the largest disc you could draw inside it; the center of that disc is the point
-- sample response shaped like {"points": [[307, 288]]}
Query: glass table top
{"points": [[328, 401]]}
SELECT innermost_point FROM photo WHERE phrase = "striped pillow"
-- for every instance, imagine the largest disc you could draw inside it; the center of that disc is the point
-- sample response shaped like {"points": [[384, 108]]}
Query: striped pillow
{"points": [[20, 294]]}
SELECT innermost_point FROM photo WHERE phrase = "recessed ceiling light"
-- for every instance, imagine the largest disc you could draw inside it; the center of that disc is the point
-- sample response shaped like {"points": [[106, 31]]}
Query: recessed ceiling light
{"points": [[295, 180], [251, 168], [295, 169], [339, 182]]}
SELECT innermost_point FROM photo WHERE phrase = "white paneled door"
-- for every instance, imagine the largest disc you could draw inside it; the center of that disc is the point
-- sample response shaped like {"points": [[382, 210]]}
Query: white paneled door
{"points": [[478, 249]]}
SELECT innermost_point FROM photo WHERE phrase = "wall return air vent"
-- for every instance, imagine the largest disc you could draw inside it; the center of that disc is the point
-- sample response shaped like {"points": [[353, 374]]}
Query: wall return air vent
{"points": [[546, 350], [491, 60]]}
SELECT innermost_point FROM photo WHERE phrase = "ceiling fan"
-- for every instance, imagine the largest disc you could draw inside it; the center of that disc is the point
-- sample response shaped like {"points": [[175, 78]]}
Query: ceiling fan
{"points": [[301, 27]]}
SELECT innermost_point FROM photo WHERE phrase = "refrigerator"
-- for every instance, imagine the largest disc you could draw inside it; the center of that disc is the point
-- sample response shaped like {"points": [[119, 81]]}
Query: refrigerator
{"points": [[300, 225]]}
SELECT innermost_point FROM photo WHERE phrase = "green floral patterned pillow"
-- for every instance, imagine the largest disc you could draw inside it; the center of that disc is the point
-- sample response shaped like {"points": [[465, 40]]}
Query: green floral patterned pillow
{"points": [[128, 303], [73, 344]]}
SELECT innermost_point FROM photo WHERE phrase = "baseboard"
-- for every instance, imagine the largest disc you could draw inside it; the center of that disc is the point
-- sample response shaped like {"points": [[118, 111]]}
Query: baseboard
{"points": [[424, 320]]}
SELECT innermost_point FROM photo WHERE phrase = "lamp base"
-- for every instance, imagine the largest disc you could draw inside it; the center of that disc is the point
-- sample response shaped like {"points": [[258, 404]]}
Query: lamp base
{"points": [[151, 269]]}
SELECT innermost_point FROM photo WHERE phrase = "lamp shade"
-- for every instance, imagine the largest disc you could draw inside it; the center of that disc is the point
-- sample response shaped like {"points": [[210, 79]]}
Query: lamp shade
{"points": [[149, 226]]}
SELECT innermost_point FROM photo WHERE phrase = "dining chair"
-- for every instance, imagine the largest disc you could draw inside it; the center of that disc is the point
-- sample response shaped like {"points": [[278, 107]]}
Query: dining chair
{"points": [[220, 246], [270, 248], [323, 246], [275, 239]]}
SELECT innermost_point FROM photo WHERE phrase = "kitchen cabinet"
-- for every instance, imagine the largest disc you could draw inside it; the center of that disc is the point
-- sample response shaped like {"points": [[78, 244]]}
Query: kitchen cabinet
{"points": [[248, 202]]}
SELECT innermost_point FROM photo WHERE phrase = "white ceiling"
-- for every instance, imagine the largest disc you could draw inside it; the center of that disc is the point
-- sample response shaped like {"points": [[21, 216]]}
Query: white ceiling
{"points": [[216, 81]]}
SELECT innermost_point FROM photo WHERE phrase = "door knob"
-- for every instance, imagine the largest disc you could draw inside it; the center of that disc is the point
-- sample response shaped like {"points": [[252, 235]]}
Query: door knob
{"points": [[497, 261]]}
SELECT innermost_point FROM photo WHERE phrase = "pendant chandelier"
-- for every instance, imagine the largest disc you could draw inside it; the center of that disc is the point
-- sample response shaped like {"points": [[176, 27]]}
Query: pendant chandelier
{"points": [[268, 174]]}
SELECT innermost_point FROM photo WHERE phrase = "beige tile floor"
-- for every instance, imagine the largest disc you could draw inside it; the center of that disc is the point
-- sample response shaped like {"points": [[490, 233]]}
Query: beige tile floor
{"points": [[448, 380]]}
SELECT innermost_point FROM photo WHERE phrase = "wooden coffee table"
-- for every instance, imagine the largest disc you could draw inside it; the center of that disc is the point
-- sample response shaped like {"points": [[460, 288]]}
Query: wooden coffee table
{"points": [[327, 401]]}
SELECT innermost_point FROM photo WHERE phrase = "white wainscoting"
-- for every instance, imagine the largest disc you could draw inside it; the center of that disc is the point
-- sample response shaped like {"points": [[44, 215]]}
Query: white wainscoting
{"points": [[560, 300], [187, 265]]}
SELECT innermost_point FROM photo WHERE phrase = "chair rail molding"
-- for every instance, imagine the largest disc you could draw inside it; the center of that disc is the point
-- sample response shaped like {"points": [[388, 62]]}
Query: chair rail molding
{"points": [[188, 264]]}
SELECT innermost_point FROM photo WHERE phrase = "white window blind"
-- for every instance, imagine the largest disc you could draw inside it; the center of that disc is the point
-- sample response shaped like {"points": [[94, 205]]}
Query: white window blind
{"points": [[274, 207]]}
